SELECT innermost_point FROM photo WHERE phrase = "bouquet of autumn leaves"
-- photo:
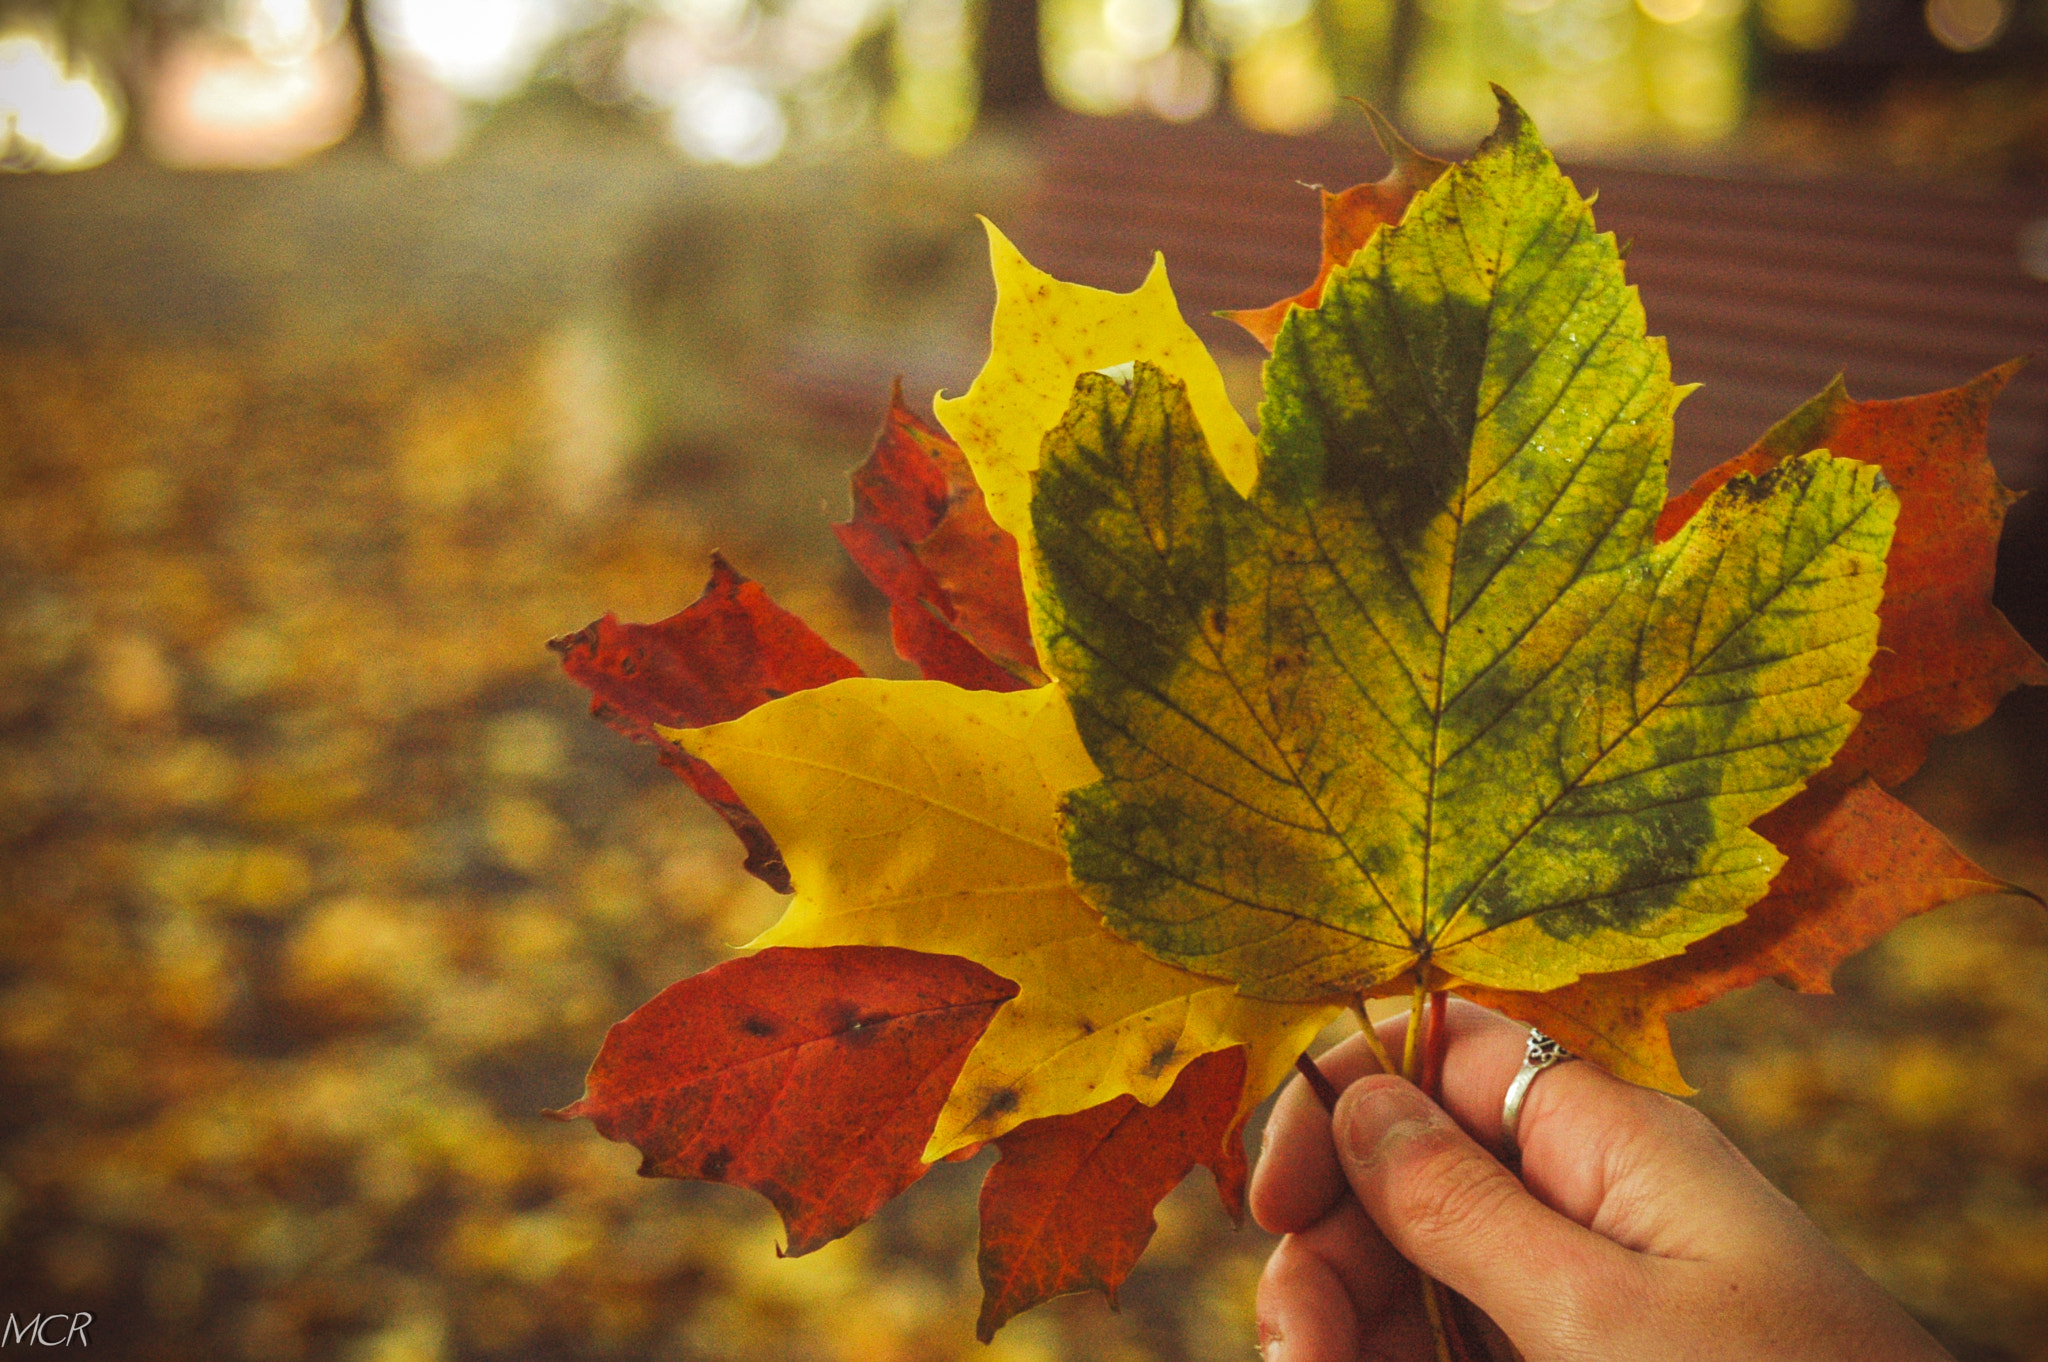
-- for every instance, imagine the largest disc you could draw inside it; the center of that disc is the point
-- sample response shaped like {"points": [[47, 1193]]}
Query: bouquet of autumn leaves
{"points": [[1426, 688]]}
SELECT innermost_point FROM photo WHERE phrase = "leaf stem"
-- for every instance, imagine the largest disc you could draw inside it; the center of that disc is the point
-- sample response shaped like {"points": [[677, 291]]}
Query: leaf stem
{"points": [[1435, 1045], [1371, 1034], [1432, 1304], [1423, 1015], [1318, 1082], [1411, 1048]]}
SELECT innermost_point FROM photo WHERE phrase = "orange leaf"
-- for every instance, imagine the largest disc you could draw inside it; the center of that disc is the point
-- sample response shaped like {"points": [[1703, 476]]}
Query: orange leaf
{"points": [[1069, 1206], [1945, 655], [1349, 219], [1858, 862], [812, 1076], [731, 650], [922, 534]]}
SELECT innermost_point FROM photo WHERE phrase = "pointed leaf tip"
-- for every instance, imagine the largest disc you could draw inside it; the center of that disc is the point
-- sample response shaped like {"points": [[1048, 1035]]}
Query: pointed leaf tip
{"points": [[1384, 132]]}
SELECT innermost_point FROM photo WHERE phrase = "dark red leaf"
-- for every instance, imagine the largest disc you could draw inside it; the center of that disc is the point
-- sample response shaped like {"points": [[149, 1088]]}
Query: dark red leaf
{"points": [[813, 1076], [1069, 1205], [921, 533], [1945, 655], [731, 650], [974, 561]]}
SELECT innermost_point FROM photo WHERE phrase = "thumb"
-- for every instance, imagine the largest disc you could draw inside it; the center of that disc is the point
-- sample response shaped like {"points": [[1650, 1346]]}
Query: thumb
{"points": [[1456, 1213]]}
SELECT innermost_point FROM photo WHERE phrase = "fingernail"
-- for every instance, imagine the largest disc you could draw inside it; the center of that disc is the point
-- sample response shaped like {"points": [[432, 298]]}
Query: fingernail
{"points": [[1269, 1345], [1379, 1117]]}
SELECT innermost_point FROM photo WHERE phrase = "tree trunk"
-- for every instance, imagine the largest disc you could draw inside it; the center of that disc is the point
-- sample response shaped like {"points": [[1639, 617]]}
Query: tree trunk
{"points": [[370, 124], [1012, 77]]}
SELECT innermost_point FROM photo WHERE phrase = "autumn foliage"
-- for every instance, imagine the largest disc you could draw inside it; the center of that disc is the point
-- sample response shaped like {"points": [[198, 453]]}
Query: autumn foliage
{"points": [[1183, 778]]}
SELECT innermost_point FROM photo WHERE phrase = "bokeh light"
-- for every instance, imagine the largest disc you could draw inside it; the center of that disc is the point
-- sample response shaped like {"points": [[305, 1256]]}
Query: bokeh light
{"points": [[722, 114], [1139, 57], [1671, 11], [727, 80], [1237, 24], [1282, 81], [1593, 73], [1141, 29], [1180, 84], [1968, 25], [215, 103], [1807, 25], [735, 82], [53, 116], [481, 49], [931, 109], [2033, 249], [815, 36], [285, 30]]}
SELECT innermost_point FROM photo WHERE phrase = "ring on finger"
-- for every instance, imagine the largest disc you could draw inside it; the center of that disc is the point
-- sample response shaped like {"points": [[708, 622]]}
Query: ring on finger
{"points": [[1543, 1052]]}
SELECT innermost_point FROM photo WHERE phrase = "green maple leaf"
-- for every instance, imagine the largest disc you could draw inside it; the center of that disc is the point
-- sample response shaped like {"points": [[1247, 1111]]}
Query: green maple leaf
{"points": [[1430, 700]]}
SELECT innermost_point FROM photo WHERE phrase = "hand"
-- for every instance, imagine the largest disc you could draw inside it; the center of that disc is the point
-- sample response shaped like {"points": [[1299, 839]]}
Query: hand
{"points": [[1635, 1231]]}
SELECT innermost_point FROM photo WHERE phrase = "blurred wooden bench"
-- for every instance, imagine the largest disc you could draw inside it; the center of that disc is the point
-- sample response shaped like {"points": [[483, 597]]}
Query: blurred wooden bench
{"points": [[1766, 288]]}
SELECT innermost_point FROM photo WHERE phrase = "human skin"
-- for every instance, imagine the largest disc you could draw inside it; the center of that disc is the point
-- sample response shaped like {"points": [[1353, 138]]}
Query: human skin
{"points": [[1636, 1230]]}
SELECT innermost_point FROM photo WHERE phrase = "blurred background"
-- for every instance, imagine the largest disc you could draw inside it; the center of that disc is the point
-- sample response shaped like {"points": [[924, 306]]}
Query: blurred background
{"points": [[354, 349]]}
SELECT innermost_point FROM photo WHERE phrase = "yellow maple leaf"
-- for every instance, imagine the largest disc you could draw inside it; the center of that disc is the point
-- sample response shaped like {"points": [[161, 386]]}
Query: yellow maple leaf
{"points": [[919, 815], [1046, 333]]}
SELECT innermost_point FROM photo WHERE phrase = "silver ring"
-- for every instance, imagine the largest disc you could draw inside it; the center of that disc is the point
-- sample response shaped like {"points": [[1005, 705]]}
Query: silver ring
{"points": [[1541, 1054]]}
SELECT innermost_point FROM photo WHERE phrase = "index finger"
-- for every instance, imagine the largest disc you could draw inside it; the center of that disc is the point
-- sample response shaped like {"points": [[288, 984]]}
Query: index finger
{"points": [[1299, 1180]]}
